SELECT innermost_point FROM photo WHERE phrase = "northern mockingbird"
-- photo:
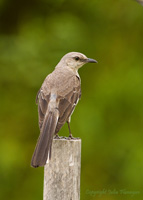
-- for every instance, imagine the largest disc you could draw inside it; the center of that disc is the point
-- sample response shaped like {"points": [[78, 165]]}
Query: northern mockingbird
{"points": [[56, 101]]}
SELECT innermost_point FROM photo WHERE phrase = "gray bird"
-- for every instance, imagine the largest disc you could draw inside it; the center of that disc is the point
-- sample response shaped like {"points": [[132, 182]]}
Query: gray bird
{"points": [[56, 99]]}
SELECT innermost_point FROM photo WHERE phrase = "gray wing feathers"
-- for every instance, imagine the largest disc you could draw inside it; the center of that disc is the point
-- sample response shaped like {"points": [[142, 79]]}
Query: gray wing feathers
{"points": [[42, 107], [67, 106]]}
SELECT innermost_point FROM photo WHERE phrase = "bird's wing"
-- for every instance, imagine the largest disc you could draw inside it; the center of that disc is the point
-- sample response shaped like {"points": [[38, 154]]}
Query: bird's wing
{"points": [[68, 103], [42, 107], [37, 96]]}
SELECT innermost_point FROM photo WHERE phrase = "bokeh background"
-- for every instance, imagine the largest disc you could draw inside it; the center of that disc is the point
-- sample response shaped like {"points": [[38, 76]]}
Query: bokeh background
{"points": [[34, 35]]}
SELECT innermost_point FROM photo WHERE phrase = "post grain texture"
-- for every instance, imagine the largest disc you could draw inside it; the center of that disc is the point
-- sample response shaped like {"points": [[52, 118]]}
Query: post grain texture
{"points": [[62, 172]]}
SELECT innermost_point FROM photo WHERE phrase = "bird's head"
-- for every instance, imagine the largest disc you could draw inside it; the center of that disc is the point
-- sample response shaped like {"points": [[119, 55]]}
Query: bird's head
{"points": [[75, 60]]}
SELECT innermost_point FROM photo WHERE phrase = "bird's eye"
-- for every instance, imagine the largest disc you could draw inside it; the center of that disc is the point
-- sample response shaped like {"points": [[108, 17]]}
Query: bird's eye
{"points": [[76, 58]]}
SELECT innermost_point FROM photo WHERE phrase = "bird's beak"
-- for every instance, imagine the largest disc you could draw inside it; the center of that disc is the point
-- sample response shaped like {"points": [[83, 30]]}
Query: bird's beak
{"points": [[90, 60]]}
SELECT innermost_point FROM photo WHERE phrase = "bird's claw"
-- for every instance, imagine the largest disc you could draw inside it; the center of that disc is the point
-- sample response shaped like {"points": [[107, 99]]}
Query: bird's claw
{"points": [[57, 136], [71, 137]]}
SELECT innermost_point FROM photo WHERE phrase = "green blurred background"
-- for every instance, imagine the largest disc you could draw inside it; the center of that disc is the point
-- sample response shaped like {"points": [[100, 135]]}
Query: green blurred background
{"points": [[34, 35]]}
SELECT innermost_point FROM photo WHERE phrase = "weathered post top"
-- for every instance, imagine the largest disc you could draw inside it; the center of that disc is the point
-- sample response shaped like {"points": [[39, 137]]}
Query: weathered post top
{"points": [[62, 172]]}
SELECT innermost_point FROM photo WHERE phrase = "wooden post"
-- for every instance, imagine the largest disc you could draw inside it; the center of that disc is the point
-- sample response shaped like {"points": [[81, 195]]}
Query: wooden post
{"points": [[62, 173]]}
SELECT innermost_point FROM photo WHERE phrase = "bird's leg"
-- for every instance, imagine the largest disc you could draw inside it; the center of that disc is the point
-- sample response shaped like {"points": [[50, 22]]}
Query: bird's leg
{"points": [[70, 134]]}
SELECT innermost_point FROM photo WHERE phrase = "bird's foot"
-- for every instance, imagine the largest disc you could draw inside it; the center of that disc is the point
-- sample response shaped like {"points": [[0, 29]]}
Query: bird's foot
{"points": [[71, 137], [57, 136]]}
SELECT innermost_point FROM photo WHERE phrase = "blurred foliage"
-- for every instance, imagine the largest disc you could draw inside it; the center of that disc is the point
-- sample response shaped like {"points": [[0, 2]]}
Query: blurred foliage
{"points": [[34, 35]]}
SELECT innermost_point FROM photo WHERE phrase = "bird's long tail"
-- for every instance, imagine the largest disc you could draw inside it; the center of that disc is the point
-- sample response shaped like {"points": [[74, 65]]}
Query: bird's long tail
{"points": [[44, 144]]}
